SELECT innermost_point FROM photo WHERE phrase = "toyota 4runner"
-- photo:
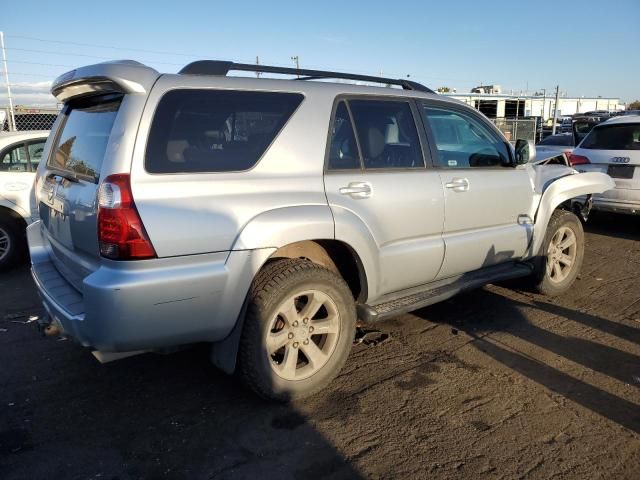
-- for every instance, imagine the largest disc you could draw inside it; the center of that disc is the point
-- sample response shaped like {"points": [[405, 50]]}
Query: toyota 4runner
{"points": [[266, 216]]}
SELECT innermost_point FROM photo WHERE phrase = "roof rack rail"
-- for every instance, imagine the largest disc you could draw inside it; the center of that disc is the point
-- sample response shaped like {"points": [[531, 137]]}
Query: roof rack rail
{"points": [[222, 67]]}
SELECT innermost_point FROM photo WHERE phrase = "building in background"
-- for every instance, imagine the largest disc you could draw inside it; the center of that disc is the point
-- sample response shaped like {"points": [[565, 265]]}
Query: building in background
{"points": [[489, 89], [498, 105]]}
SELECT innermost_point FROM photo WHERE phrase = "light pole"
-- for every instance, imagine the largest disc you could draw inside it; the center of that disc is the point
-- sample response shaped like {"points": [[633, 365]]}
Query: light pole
{"points": [[12, 118], [296, 59], [544, 104]]}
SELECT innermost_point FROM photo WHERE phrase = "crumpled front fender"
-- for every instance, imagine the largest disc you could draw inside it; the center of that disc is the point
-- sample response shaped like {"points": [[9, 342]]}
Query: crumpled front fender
{"points": [[559, 191]]}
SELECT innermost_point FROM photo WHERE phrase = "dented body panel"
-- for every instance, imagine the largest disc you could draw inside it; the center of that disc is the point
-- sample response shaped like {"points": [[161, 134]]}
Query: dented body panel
{"points": [[554, 185]]}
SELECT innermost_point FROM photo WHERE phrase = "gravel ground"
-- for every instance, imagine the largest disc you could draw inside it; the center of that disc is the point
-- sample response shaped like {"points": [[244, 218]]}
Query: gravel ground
{"points": [[492, 384]]}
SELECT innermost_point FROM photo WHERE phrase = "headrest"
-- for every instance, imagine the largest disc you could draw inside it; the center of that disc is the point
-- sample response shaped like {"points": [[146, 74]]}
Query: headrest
{"points": [[375, 141]]}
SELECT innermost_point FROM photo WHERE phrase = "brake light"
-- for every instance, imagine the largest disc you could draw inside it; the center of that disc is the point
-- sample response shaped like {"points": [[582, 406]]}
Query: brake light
{"points": [[577, 159], [121, 233]]}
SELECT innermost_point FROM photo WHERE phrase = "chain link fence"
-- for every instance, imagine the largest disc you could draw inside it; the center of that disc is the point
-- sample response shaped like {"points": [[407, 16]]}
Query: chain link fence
{"points": [[27, 119], [514, 129]]}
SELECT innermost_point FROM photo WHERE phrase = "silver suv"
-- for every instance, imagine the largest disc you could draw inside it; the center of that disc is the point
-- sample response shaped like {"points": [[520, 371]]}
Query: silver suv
{"points": [[267, 216]]}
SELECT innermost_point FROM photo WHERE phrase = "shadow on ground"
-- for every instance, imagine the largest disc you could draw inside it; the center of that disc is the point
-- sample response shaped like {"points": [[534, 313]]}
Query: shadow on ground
{"points": [[63, 415], [483, 312], [614, 225]]}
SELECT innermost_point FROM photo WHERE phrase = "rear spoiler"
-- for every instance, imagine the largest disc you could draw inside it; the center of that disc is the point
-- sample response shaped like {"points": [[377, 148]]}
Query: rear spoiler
{"points": [[121, 76]]}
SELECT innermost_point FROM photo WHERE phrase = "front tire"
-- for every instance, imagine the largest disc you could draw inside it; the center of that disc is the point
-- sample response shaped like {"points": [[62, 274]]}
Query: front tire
{"points": [[560, 259], [298, 330]]}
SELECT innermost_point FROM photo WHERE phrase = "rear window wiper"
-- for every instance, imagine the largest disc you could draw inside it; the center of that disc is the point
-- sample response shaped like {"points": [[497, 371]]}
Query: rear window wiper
{"points": [[72, 177]]}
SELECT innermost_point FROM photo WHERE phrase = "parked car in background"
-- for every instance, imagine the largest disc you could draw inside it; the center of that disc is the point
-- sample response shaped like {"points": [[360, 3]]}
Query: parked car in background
{"points": [[613, 147], [582, 125], [565, 125], [598, 115], [265, 216], [554, 145], [20, 154]]}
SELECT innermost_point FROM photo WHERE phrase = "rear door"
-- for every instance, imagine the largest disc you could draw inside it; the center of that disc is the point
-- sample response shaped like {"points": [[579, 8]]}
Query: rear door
{"points": [[68, 184], [376, 173], [487, 201]]}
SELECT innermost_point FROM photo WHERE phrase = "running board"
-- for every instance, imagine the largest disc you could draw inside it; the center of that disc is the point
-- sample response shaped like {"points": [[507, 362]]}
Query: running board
{"points": [[439, 291]]}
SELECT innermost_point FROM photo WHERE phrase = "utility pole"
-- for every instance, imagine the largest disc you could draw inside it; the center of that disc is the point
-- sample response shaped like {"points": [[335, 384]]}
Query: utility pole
{"points": [[296, 60], [257, 63], [544, 104], [12, 118], [555, 111]]}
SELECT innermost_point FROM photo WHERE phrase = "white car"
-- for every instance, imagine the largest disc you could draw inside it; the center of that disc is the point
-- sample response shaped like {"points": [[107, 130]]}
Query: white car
{"points": [[555, 145], [613, 147], [20, 153]]}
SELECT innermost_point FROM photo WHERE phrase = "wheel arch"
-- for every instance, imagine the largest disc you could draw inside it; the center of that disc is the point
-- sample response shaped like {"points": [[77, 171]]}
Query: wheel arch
{"points": [[8, 213], [561, 190]]}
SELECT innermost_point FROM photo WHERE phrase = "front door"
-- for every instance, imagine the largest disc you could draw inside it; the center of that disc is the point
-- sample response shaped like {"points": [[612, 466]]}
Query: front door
{"points": [[376, 177], [487, 199]]}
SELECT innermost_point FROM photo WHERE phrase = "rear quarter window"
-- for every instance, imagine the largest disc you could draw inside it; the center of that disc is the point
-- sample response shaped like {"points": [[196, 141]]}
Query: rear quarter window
{"points": [[215, 130]]}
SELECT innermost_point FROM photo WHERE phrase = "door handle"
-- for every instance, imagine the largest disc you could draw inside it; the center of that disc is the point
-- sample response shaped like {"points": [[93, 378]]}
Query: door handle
{"points": [[357, 190], [458, 185]]}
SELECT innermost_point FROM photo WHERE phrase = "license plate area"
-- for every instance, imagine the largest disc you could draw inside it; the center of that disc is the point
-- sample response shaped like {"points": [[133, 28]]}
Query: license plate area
{"points": [[621, 171]]}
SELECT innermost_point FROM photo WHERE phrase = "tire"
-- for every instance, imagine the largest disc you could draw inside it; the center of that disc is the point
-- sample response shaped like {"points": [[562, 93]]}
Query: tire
{"points": [[553, 274], [11, 244], [279, 355]]}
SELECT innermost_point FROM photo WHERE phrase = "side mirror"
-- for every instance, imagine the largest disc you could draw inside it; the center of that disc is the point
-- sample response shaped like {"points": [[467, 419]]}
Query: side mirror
{"points": [[525, 151]]}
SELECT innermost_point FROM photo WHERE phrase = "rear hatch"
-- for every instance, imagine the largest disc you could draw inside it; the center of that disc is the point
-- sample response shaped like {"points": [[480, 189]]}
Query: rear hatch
{"points": [[612, 148], [67, 199], [93, 138]]}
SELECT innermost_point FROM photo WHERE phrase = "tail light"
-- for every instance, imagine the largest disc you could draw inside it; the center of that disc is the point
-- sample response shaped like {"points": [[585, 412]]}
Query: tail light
{"points": [[577, 159], [121, 233]]}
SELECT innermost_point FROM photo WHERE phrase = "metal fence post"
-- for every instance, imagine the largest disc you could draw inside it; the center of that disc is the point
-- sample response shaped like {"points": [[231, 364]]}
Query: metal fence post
{"points": [[12, 120]]}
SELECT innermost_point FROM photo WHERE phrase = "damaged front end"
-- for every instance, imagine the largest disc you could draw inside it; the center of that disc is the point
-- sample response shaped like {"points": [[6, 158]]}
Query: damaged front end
{"points": [[557, 185]]}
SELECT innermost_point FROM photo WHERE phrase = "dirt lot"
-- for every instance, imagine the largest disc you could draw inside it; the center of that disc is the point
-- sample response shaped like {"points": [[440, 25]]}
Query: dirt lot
{"points": [[492, 384]]}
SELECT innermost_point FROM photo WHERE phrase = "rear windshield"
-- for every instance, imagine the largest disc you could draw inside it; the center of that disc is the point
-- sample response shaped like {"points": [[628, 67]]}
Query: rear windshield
{"points": [[82, 142], [214, 130], [564, 140], [614, 137]]}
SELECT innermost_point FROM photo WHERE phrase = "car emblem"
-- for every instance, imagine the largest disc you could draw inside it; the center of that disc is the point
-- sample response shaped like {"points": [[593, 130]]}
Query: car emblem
{"points": [[620, 159], [52, 192]]}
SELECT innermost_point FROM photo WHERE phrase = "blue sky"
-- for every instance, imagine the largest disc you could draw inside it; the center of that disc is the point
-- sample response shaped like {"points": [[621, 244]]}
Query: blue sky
{"points": [[588, 47]]}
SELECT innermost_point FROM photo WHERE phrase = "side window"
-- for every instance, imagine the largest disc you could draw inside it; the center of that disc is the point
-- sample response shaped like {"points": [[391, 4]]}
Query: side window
{"points": [[387, 134], [35, 153], [463, 141], [343, 150], [15, 160], [215, 130]]}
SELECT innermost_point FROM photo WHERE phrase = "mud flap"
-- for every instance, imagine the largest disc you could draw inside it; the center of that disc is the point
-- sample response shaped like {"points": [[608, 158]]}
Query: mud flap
{"points": [[224, 354]]}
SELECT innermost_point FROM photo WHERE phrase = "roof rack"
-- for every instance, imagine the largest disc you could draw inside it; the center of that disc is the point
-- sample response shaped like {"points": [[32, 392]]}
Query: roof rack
{"points": [[221, 68]]}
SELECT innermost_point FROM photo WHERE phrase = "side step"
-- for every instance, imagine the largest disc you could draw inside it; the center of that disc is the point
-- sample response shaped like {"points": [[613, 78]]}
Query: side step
{"points": [[415, 298]]}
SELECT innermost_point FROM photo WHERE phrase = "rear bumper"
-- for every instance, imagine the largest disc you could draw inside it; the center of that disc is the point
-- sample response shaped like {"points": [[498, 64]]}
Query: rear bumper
{"points": [[147, 304], [622, 200], [619, 206]]}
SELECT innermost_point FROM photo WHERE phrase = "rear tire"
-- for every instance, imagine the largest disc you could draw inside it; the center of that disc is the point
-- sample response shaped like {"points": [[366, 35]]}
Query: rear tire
{"points": [[11, 244], [298, 330], [560, 258]]}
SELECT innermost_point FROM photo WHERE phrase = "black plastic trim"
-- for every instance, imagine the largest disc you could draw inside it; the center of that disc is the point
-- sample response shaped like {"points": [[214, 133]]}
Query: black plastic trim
{"points": [[222, 68]]}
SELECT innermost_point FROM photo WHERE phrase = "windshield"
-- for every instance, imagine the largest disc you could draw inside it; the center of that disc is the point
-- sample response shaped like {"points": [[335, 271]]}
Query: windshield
{"points": [[614, 137], [82, 142], [564, 140]]}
